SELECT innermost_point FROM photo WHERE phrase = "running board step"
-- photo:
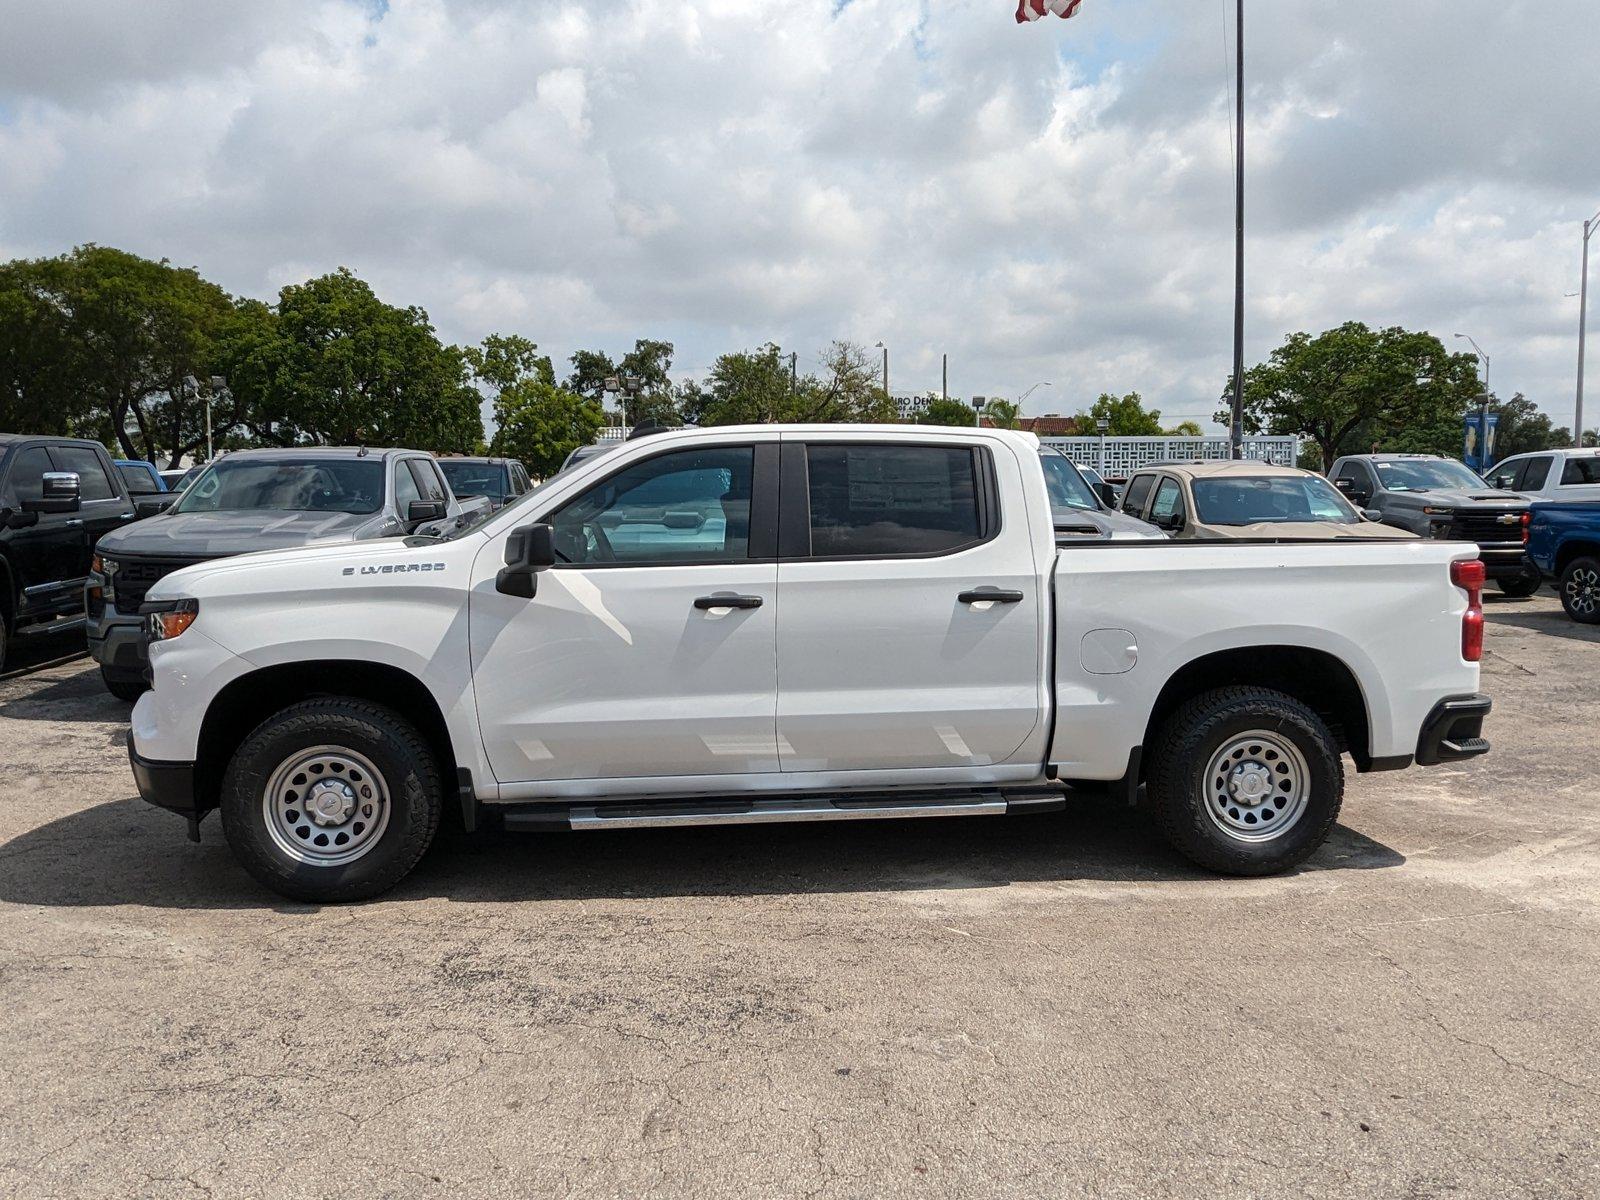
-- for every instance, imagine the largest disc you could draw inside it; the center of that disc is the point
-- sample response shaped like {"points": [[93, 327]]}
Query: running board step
{"points": [[665, 814]]}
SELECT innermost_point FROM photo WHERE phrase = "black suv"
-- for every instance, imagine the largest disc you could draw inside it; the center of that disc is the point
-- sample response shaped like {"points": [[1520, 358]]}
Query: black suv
{"points": [[58, 496]]}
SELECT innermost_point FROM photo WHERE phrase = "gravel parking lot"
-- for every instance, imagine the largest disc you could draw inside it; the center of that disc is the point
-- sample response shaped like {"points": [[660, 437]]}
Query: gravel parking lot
{"points": [[1045, 1006]]}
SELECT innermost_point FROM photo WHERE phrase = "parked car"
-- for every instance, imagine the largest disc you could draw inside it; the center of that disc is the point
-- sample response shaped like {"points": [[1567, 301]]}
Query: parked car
{"points": [[499, 480], [584, 453], [181, 477], [1245, 499], [1550, 475], [938, 655], [1110, 494], [1564, 544], [1077, 511], [58, 496], [146, 486], [1440, 498], [257, 500]]}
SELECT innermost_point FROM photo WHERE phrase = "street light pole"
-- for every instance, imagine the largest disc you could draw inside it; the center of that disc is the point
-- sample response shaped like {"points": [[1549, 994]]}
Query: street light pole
{"points": [[1589, 227], [885, 350], [1237, 425]]}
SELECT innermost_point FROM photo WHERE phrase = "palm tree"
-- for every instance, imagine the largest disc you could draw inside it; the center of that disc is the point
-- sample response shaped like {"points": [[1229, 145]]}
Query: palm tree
{"points": [[1002, 414]]}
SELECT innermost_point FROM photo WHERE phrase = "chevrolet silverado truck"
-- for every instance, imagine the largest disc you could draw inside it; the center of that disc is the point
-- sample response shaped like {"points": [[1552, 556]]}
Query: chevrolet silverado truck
{"points": [[1440, 498], [793, 623], [254, 500], [1564, 543]]}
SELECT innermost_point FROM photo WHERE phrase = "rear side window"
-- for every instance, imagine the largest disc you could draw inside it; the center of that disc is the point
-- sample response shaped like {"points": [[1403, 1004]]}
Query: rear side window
{"points": [[93, 482], [27, 473], [1581, 470], [1534, 474], [1138, 492], [892, 500]]}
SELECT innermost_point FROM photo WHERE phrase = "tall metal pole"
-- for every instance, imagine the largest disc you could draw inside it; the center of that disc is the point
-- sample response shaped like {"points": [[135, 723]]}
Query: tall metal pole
{"points": [[1583, 321], [886, 372], [1237, 431], [944, 386]]}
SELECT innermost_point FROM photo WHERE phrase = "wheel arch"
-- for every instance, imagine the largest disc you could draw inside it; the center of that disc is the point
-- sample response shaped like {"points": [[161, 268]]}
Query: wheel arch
{"points": [[244, 702], [1317, 678], [1575, 548]]}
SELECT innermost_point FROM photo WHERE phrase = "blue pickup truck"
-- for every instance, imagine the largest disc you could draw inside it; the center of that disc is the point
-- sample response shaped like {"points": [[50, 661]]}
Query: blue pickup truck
{"points": [[1564, 543]]}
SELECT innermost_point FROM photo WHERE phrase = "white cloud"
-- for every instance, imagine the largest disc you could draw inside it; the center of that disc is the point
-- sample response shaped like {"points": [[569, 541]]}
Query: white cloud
{"points": [[1050, 202]]}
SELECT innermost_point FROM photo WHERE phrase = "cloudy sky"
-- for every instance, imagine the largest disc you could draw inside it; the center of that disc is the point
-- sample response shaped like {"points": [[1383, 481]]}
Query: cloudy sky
{"points": [[1047, 202]]}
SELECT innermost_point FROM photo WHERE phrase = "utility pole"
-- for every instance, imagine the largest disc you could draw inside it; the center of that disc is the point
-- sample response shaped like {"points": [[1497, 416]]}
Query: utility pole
{"points": [[944, 386], [1237, 430], [885, 350], [1484, 461], [1589, 227], [794, 371]]}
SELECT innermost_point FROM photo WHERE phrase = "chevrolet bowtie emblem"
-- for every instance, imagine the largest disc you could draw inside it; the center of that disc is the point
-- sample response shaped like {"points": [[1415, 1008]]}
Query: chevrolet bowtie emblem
{"points": [[1508, 518]]}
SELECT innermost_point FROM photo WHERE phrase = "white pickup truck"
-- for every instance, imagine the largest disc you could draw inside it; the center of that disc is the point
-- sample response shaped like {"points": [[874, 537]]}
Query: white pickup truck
{"points": [[785, 623]]}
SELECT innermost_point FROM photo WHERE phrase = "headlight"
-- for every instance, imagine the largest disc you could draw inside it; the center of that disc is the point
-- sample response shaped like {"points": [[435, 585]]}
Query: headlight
{"points": [[166, 619], [1434, 511]]}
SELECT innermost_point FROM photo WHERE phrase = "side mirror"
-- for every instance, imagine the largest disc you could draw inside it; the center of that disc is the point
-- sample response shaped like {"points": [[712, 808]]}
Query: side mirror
{"points": [[1372, 514], [58, 495], [529, 550], [1108, 494], [1348, 488], [1172, 522], [150, 504], [425, 510]]}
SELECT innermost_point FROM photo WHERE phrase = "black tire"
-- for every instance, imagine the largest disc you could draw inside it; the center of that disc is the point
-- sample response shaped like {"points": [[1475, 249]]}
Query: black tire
{"points": [[406, 770], [1580, 590], [123, 688], [1521, 586], [1181, 790]]}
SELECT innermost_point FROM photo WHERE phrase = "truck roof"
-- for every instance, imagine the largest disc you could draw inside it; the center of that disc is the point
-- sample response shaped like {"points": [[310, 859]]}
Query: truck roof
{"points": [[911, 433], [321, 452], [1397, 457], [1210, 468]]}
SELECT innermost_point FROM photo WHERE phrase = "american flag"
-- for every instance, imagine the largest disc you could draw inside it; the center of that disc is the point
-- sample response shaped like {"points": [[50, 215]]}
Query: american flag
{"points": [[1032, 10]]}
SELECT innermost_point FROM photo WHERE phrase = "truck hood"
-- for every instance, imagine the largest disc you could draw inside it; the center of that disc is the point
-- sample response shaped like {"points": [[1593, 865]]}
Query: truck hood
{"points": [[216, 534], [1306, 531], [1075, 523], [1463, 497]]}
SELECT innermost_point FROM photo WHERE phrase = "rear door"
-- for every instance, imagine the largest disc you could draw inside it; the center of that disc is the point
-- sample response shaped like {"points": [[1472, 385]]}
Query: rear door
{"points": [[889, 653]]}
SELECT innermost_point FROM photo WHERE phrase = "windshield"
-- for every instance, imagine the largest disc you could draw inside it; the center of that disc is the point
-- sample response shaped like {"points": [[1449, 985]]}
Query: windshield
{"points": [[475, 479], [1062, 480], [338, 485], [1424, 474], [1270, 499]]}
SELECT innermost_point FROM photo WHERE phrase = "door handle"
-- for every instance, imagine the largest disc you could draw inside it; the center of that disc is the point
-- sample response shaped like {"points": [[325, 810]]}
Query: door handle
{"points": [[728, 601], [994, 595], [74, 522]]}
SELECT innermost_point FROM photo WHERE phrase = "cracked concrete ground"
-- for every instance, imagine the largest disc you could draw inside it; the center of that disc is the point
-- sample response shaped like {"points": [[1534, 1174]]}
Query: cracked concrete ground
{"points": [[1041, 1006]]}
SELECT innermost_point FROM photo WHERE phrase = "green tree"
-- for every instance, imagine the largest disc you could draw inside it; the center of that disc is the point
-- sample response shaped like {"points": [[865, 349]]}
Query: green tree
{"points": [[940, 411], [38, 377], [747, 387], [344, 367], [1390, 386], [540, 424], [1186, 429], [1002, 414], [1523, 428], [650, 362], [1127, 414], [590, 370]]}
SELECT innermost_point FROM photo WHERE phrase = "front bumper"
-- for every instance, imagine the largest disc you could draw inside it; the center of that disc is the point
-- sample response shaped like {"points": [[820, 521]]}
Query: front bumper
{"points": [[168, 785], [120, 647], [1454, 730], [1500, 562]]}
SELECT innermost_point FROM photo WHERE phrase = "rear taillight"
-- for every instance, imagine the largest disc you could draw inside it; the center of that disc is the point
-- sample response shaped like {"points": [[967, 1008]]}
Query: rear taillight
{"points": [[1468, 575], [1527, 519]]}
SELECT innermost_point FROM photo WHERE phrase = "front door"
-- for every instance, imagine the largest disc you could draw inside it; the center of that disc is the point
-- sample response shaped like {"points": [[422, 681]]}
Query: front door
{"points": [[889, 654], [624, 664], [101, 507]]}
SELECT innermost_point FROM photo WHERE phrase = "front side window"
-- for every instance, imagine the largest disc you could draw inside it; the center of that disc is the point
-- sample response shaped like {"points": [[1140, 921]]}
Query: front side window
{"points": [[93, 482], [689, 506], [405, 488], [891, 500], [1505, 474], [27, 473], [428, 481], [1168, 504], [1581, 470], [351, 485], [1270, 499], [138, 480]]}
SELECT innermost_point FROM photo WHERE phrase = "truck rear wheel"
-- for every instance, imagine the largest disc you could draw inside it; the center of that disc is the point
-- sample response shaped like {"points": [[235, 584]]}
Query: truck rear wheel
{"points": [[1580, 590], [1245, 781], [331, 800]]}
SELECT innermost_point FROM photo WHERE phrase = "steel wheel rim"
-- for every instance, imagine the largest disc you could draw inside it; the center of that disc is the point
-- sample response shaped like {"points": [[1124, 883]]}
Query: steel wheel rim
{"points": [[326, 805], [1583, 590], [1257, 786]]}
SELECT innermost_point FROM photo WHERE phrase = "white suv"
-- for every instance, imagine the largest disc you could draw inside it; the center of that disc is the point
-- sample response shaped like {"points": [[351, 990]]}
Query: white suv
{"points": [[1550, 475]]}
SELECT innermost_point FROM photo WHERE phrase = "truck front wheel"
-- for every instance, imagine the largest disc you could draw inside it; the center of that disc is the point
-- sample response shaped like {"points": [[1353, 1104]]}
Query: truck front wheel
{"points": [[331, 800], [1245, 781]]}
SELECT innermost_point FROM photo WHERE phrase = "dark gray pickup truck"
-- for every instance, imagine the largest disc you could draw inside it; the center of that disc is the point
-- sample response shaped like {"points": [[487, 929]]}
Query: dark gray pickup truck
{"points": [[258, 500], [1440, 498]]}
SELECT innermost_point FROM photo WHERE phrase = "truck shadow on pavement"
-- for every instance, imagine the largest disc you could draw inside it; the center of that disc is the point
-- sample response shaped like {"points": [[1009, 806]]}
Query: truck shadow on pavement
{"points": [[1555, 624], [124, 852]]}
